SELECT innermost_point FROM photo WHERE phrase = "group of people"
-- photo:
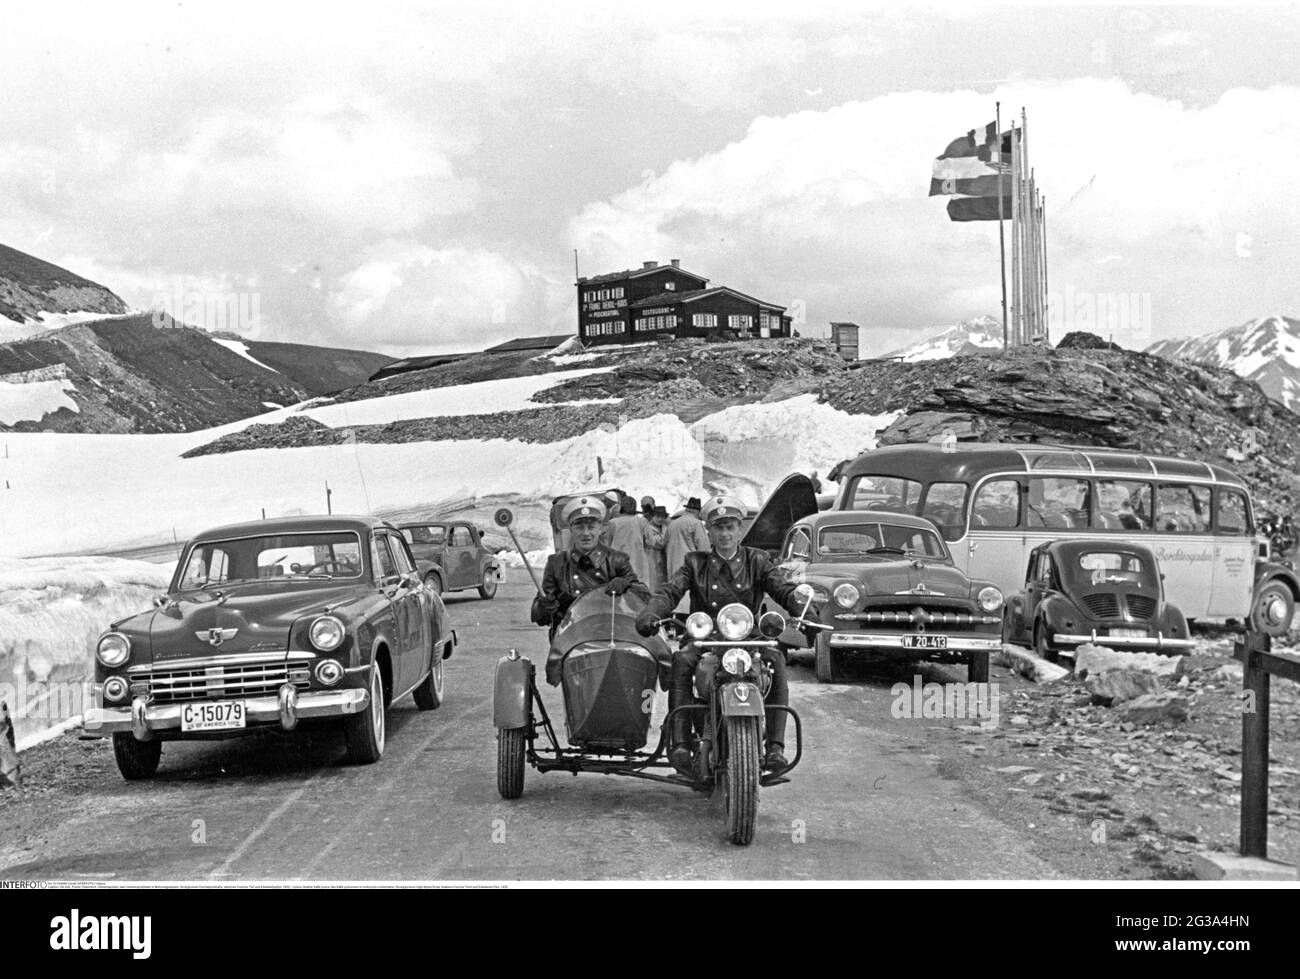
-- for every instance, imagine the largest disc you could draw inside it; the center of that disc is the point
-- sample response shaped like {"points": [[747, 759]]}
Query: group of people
{"points": [[709, 566]]}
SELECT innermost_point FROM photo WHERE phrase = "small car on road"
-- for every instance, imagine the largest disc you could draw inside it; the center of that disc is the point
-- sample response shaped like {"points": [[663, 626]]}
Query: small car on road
{"points": [[1108, 592], [451, 556], [271, 624], [885, 582]]}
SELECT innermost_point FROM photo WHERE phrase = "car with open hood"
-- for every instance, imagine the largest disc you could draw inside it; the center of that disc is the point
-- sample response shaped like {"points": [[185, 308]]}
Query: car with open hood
{"points": [[885, 582], [273, 624], [1110, 593]]}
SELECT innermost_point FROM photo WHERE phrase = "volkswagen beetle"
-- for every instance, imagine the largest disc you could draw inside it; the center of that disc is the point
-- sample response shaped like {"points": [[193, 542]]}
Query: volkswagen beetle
{"points": [[271, 624]]}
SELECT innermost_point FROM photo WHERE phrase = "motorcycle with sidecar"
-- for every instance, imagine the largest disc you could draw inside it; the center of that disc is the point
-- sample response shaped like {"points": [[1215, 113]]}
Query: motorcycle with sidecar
{"points": [[607, 673]]}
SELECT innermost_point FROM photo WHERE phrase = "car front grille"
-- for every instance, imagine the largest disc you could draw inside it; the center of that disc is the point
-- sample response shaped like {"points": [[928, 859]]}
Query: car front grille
{"points": [[1103, 606], [916, 615], [218, 682], [1141, 606]]}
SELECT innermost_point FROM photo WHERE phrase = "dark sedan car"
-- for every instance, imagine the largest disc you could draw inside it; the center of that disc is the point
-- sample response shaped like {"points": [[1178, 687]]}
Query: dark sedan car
{"points": [[886, 583], [451, 556], [1089, 591], [269, 624]]}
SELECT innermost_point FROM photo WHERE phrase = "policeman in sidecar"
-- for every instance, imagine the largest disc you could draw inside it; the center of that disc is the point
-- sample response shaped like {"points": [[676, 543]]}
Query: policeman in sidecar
{"points": [[585, 566], [727, 573]]}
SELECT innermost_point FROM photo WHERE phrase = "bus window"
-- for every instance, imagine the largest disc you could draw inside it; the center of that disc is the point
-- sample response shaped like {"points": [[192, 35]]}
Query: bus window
{"points": [[1123, 505], [1182, 509], [997, 504], [945, 507], [1058, 501], [1232, 517], [885, 493]]}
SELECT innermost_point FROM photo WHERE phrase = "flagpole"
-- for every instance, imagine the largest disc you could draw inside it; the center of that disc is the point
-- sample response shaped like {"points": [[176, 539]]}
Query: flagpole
{"points": [[1002, 244], [1033, 255], [1026, 227], [1016, 310], [1042, 220]]}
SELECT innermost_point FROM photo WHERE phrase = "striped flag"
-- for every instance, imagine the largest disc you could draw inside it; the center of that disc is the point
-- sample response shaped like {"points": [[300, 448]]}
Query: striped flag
{"points": [[978, 208], [967, 165]]}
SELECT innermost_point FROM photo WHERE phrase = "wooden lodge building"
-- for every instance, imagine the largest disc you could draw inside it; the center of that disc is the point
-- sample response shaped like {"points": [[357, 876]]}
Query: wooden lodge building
{"points": [[657, 301]]}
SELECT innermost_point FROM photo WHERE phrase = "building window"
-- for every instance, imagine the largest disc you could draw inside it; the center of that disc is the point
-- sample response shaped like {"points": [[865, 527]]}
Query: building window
{"points": [[742, 324], [670, 286], [617, 293], [607, 328], [704, 321], [648, 324]]}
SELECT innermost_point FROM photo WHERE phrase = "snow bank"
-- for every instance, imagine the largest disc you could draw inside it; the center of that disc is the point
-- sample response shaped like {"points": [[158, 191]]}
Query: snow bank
{"points": [[51, 612], [33, 400], [240, 348]]}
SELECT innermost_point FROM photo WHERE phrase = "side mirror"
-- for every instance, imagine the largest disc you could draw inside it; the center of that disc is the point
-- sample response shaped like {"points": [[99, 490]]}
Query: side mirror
{"points": [[159, 601]]}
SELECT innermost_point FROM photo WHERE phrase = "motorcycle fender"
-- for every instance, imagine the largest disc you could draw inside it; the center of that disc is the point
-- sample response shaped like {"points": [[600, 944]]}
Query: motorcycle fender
{"points": [[734, 705], [511, 695]]}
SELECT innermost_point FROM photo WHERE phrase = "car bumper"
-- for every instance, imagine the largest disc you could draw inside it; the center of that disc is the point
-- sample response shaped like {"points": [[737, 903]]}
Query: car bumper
{"points": [[284, 710], [1159, 641], [956, 644]]}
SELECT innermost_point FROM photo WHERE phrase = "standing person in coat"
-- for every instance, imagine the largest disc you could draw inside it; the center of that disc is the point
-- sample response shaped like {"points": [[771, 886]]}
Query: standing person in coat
{"points": [[659, 550], [685, 534], [630, 533]]}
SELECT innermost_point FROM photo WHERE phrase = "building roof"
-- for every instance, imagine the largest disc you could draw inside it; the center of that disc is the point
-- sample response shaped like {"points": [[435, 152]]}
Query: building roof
{"points": [[853, 325], [691, 295], [530, 343], [634, 273]]}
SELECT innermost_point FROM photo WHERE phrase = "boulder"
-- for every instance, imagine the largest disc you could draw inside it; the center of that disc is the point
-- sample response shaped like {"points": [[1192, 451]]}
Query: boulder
{"points": [[1118, 686], [1153, 708], [1090, 659], [1028, 665]]}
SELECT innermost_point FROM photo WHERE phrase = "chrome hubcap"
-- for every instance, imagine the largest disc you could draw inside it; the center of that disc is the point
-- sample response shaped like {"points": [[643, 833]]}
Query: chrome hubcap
{"points": [[377, 704]]}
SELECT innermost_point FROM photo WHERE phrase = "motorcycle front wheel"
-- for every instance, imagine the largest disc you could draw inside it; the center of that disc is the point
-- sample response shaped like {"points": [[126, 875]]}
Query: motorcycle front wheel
{"points": [[740, 779]]}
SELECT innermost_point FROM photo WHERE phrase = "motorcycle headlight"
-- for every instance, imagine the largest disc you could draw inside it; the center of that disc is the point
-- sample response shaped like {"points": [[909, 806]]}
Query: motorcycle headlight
{"points": [[736, 662], [771, 624], [698, 625], [847, 595], [326, 633], [113, 649], [990, 599], [735, 622]]}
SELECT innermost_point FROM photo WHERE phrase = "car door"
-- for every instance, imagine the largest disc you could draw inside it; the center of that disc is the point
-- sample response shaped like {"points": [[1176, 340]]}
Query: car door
{"points": [[1037, 577], [393, 586], [462, 565], [413, 607]]}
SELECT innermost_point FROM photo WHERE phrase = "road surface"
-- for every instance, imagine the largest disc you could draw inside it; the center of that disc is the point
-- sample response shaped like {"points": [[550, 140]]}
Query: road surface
{"points": [[870, 801]]}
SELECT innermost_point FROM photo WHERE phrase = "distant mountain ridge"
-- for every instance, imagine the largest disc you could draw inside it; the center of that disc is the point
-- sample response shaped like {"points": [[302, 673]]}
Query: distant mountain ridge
{"points": [[978, 335], [1264, 350]]}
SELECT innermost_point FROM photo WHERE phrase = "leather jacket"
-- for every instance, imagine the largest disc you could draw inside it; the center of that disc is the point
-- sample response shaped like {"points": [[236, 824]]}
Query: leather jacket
{"points": [[714, 583], [569, 575]]}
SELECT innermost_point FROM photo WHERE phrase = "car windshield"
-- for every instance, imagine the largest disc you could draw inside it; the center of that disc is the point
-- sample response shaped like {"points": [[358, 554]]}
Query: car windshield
{"points": [[1110, 568], [424, 535], [879, 539], [301, 557]]}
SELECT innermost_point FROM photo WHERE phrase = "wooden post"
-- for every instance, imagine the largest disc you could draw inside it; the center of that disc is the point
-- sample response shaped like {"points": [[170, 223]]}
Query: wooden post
{"points": [[1254, 745]]}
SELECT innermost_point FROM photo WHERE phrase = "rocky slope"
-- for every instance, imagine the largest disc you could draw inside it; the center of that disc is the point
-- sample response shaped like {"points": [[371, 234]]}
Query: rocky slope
{"points": [[1265, 350], [124, 374], [319, 370], [30, 287]]}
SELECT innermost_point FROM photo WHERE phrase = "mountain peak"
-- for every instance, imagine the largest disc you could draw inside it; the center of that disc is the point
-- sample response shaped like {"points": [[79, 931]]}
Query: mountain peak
{"points": [[1265, 350], [36, 296], [980, 334]]}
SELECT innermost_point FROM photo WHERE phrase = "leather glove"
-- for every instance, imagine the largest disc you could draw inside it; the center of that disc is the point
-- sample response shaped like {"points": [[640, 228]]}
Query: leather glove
{"points": [[647, 625], [617, 586], [544, 609]]}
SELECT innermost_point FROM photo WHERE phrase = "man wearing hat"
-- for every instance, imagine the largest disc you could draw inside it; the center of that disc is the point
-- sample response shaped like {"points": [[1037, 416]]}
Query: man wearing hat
{"points": [[724, 574], [586, 565], [685, 534]]}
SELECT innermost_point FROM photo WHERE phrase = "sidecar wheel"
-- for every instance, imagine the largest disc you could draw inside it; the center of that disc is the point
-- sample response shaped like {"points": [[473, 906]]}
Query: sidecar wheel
{"points": [[827, 671], [740, 783], [510, 762]]}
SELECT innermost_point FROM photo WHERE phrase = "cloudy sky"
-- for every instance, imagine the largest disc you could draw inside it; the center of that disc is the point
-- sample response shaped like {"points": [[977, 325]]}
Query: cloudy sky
{"points": [[415, 178]]}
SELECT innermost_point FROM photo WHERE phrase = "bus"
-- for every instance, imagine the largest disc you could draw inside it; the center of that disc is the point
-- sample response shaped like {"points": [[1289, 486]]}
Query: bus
{"points": [[995, 502]]}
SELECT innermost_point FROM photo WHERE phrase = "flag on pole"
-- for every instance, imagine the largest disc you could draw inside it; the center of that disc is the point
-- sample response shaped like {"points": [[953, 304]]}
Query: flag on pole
{"points": [[978, 208], [968, 166]]}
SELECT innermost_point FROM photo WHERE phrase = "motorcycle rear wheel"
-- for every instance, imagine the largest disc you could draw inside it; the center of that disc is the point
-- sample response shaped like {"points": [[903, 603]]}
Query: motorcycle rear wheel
{"points": [[740, 780]]}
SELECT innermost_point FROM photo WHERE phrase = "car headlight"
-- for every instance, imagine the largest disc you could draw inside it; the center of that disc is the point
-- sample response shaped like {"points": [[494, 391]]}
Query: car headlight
{"points": [[329, 672], [847, 595], [326, 633], [698, 625], [990, 599], [735, 622], [771, 624], [736, 662], [114, 649]]}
